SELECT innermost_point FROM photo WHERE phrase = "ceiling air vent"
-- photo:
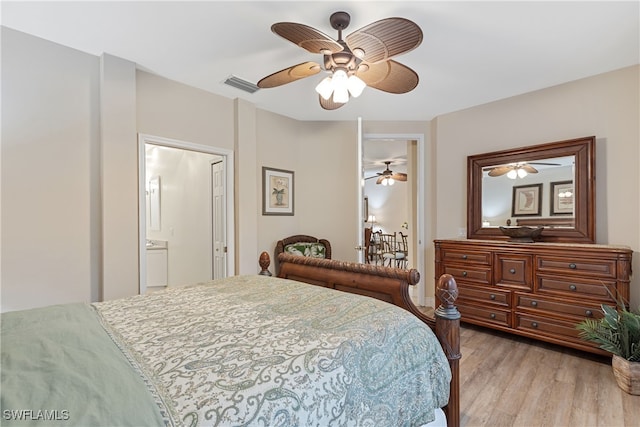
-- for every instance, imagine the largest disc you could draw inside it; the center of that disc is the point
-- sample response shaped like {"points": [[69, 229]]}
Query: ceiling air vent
{"points": [[241, 84]]}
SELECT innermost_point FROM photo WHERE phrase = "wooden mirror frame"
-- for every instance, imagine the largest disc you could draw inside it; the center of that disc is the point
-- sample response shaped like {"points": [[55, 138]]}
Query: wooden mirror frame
{"points": [[584, 180]]}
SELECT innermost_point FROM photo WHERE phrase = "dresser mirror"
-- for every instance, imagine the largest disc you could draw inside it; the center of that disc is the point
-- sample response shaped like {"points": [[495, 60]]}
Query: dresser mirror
{"points": [[550, 185]]}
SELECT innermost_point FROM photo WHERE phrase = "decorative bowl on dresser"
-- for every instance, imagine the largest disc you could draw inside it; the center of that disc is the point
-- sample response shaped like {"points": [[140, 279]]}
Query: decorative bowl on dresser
{"points": [[537, 290]]}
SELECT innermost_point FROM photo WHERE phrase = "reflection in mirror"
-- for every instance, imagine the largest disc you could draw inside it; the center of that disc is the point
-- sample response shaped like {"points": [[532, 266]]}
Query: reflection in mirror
{"points": [[550, 185], [499, 181]]}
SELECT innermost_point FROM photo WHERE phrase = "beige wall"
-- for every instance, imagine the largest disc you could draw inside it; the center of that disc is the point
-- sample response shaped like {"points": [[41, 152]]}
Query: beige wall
{"points": [[173, 110], [323, 158], [118, 195], [247, 175], [50, 173], [606, 106], [329, 184], [53, 205]]}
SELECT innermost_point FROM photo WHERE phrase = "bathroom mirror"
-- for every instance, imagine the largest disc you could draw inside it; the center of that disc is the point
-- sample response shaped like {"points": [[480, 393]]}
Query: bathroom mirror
{"points": [[550, 185], [154, 203]]}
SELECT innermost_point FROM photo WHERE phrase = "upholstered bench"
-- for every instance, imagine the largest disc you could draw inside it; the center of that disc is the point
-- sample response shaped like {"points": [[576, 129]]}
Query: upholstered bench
{"points": [[303, 245]]}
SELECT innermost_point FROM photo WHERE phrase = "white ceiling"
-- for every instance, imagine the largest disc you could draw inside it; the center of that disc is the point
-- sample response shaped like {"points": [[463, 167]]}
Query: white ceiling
{"points": [[472, 53]]}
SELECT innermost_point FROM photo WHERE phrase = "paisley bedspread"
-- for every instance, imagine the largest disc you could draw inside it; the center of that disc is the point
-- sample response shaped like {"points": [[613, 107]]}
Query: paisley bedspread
{"points": [[262, 351]]}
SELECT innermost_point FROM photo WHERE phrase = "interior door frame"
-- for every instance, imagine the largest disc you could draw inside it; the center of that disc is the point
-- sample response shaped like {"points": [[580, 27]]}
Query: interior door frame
{"points": [[228, 162], [420, 195]]}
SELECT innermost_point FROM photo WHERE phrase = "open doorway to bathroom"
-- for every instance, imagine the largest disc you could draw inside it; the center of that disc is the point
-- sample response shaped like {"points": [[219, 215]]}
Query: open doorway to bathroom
{"points": [[183, 213]]}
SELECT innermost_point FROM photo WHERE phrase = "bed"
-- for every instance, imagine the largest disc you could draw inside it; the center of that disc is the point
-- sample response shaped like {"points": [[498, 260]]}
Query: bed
{"points": [[245, 350]]}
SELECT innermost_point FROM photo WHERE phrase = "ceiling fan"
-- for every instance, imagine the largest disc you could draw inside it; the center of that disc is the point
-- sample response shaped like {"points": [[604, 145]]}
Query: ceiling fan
{"points": [[362, 59], [388, 177], [516, 170]]}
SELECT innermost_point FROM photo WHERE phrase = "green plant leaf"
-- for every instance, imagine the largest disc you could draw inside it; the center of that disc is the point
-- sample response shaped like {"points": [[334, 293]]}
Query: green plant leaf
{"points": [[617, 332]]}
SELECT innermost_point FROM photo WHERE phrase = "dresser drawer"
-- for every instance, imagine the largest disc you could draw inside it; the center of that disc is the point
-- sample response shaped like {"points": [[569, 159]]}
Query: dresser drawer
{"points": [[492, 297], [469, 274], [484, 315], [576, 288], [577, 266], [540, 325], [467, 257], [514, 271], [578, 310]]}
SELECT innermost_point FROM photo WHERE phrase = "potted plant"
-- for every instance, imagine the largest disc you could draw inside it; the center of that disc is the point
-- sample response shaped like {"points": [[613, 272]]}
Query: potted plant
{"points": [[618, 332]]}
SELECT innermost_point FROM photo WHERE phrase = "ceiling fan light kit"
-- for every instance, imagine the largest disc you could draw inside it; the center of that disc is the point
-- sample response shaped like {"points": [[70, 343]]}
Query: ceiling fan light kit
{"points": [[340, 86], [362, 59], [516, 173], [516, 170], [388, 177]]}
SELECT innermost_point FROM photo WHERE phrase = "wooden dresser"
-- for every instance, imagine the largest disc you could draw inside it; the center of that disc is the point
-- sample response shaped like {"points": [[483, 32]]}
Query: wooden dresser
{"points": [[538, 290]]}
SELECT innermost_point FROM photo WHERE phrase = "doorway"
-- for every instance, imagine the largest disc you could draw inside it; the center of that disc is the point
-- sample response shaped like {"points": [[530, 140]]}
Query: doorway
{"points": [[184, 192], [405, 152]]}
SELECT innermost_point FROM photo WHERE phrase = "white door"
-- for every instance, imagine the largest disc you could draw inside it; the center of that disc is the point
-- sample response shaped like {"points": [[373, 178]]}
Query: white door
{"points": [[218, 220], [360, 244]]}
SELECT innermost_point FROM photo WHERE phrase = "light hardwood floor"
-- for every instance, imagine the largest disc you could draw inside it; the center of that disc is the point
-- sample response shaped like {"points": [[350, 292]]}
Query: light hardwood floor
{"points": [[507, 380]]}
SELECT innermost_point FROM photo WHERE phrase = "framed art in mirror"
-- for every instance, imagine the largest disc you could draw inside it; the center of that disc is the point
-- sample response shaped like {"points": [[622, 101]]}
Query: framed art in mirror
{"points": [[543, 164], [561, 202], [527, 200]]}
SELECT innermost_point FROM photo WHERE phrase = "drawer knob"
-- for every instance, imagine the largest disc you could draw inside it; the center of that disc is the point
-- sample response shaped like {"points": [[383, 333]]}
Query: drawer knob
{"points": [[492, 315], [492, 296], [512, 270], [572, 266], [572, 287], [588, 313], [534, 303], [464, 274], [534, 324], [464, 257]]}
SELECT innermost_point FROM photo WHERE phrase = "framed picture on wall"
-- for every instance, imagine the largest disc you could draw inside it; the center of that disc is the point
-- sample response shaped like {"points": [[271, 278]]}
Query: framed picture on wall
{"points": [[561, 198], [527, 200], [277, 191]]}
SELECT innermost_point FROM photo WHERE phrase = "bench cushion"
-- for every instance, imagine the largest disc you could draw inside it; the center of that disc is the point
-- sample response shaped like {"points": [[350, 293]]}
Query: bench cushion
{"points": [[313, 250]]}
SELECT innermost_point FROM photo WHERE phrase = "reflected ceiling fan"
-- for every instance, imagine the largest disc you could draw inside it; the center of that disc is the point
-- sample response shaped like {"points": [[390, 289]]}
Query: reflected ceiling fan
{"points": [[388, 177], [516, 170], [362, 59]]}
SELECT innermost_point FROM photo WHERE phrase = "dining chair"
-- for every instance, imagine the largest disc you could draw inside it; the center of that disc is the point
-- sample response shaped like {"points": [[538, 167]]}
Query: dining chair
{"points": [[376, 247], [391, 254], [403, 246]]}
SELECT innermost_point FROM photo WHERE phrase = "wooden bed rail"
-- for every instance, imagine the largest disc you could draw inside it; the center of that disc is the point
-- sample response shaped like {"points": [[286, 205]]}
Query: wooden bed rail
{"points": [[390, 285]]}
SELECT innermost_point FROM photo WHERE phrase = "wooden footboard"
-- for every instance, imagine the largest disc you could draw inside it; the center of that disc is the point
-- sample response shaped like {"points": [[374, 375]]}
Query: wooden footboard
{"points": [[390, 285]]}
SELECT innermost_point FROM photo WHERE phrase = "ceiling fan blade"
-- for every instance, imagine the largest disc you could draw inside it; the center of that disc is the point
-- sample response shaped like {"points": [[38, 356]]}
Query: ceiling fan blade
{"points": [[389, 76], [384, 39], [328, 104], [306, 37], [499, 170], [289, 75], [380, 178], [399, 176], [529, 168]]}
